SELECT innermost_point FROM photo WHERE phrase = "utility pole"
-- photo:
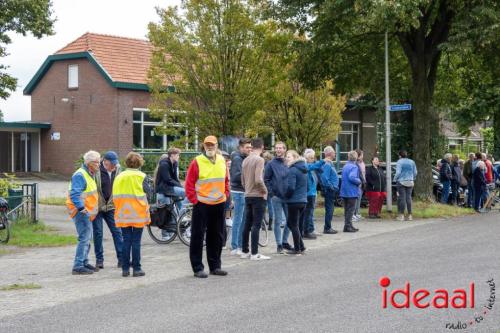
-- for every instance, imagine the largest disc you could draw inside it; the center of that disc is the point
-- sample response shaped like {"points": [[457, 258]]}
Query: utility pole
{"points": [[388, 169]]}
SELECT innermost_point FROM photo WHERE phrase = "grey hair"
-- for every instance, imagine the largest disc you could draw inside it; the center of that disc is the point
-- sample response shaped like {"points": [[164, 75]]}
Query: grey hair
{"points": [[472, 155], [447, 156], [328, 150], [352, 155], [308, 152], [481, 164], [91, 156]]}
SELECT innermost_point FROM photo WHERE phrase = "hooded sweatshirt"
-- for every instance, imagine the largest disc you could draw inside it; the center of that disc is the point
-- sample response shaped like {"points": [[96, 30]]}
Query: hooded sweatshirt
{"points": [[296, 182]]}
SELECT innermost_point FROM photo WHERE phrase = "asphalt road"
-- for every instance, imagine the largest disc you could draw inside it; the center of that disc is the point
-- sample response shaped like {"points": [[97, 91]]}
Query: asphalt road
{"points": [[332, 289]]}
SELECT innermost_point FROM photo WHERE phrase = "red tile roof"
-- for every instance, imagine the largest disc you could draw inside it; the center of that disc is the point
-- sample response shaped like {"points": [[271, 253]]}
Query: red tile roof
{"points": [[124, 59]]}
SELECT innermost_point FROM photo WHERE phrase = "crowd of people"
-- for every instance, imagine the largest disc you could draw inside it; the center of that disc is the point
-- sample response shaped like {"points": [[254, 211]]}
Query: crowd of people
{"points": [[476, 177], [252, 180]]}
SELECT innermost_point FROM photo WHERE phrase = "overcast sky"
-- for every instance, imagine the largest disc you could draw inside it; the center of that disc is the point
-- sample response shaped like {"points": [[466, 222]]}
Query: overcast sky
{"points": [[127, 18]]}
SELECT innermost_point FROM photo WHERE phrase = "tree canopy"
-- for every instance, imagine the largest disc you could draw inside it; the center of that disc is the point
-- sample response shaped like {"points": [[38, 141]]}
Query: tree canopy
{"points": [[345, 44], [21, 16], [222, 59]]}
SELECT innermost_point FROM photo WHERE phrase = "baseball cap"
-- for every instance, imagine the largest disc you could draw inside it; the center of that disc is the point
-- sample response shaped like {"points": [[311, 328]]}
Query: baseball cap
{"points": [[210, 139], [112, 157]]}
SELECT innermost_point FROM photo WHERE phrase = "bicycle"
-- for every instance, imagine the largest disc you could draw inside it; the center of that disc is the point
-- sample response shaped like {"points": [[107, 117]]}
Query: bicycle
{"points": [[164, 221], [493, 198], [184, 228], [4, 221]]}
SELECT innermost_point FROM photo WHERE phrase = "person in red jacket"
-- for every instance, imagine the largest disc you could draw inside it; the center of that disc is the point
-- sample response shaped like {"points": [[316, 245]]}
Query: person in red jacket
{"points": [[207, 188]]}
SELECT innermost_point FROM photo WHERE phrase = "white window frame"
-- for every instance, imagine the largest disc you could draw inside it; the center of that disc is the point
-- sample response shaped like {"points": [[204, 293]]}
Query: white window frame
{"points": [[156, 124], [73, 76], [350, 132]]}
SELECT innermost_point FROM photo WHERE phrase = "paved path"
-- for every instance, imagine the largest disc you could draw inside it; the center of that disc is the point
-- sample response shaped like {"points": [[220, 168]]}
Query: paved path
{"points": [[334, 288], [51, 267]]}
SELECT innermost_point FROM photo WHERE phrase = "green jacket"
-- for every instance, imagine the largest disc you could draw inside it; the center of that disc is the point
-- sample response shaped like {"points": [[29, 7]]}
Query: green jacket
{"points": [[103, 205], [468, 170]]}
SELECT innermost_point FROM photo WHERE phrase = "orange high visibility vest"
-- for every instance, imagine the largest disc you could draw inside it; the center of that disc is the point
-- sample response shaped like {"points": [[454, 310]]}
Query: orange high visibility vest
{"points": [[211, 186], [131, 203], [89, 196]]}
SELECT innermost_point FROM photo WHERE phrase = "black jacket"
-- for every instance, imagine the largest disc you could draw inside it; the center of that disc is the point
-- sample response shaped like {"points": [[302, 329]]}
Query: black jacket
{"points": [[445, 171], [375, 179], [456, 172], [235, 171], [478, 179], [167, 177]]}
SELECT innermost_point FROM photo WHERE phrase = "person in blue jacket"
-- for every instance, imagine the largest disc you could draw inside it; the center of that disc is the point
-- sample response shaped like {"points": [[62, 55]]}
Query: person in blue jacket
{"points": [[313, 170], [296, 198], [350, 189], [329, 182]]}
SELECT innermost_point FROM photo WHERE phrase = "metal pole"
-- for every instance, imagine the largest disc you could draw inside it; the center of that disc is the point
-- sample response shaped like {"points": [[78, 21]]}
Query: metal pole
{"points": [[388, 168]]}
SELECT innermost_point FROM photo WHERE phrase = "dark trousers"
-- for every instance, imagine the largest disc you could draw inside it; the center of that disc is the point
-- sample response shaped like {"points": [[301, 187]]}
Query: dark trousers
{"points": [[454, 192], [404, 198], [470, 194], [131, 243], [295, 212], [349, 208], [478, 197], [254, 213], [109, 218], [329, 208], [207, 219], [307, 223]]}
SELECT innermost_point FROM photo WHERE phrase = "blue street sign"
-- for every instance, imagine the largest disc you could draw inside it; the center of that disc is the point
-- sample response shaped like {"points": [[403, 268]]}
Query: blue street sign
{"points": [[400, 107]]}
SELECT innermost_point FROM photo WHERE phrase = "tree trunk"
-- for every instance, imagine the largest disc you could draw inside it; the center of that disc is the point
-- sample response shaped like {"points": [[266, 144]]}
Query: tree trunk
{"points": [[422, 117]]}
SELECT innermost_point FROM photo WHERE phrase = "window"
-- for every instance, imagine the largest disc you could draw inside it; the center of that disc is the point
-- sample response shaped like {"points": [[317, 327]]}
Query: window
{"points": [[348, 139], [145, 137], [72, 76]]}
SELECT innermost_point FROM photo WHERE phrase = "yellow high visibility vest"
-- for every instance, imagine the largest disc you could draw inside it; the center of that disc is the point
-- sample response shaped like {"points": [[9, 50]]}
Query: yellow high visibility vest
{"points": [[211, 186], [89, 196], [131, 203]]}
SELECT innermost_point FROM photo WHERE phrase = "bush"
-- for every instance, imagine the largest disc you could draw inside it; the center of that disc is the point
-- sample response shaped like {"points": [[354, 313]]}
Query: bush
{"points": [[6, 184]]}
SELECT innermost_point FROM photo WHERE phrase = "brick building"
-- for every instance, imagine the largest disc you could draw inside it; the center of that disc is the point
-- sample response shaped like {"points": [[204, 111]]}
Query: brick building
{"points": [[93, 94]]}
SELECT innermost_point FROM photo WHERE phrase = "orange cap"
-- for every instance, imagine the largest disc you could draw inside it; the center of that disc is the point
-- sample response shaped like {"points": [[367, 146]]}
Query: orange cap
{"points": [[210, 139]]}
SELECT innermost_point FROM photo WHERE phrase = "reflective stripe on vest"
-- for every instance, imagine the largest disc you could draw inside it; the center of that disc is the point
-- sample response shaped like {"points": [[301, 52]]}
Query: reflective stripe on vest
{"points": [[210, 186], [89, 196], [131, 203]]}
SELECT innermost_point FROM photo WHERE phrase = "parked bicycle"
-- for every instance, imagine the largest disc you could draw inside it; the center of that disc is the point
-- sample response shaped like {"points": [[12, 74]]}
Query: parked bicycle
{"points": [[4, 221]]}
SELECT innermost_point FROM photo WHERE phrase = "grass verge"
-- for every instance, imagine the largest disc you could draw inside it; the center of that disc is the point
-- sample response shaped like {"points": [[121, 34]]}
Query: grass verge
{"points": [[27, 234], [421, 210], [4, 252], [16, 286], [53, 201]]}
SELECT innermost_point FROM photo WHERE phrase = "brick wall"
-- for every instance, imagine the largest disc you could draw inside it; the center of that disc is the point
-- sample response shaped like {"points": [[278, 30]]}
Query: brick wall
{"points": [[99, 116]]}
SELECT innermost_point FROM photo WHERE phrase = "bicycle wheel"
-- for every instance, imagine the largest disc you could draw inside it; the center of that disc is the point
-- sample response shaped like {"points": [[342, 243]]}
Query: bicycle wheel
{"points": [[263, 236], [184, 227], [4, 229], [163, 236]]}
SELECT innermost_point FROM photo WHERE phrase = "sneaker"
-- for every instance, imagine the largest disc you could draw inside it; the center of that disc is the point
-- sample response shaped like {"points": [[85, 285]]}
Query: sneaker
{"points": [[287, 246], [236, 252], [201, 274], [125, 273], [218, 272], [82, 271], [229, 222], [309, 236], [359, 217], [89, 266], [280, 250], [401, 218], [330, 232], [259, 256], [294, 253], [99, 265], [410, 218], [245, 255], [140, 272], [355, 218]]}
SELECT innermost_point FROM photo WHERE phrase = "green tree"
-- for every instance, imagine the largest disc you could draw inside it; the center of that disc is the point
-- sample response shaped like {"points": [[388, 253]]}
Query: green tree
{"points": [[346, 45], [304, 118], [21, 16], [222, 59]]}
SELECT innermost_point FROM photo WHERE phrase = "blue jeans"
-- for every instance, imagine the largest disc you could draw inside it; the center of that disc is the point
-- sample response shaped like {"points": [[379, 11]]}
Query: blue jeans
{"points": [[178, 192], [280, 216], [239, 213], [109, 217], [131, 243], [329, 208], [357, 210], [309, 215], [446, 191], [270, 211], [470, 194], [84, 230]]}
